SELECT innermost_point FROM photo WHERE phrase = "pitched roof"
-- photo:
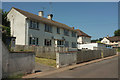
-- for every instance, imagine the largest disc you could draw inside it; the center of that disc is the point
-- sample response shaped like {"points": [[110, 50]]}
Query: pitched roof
{"points": [[42, 19], [114, 38], [81, 33]]}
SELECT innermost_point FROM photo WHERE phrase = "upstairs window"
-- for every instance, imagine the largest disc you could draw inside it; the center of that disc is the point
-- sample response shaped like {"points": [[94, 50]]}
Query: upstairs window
{"points": [[58, 30], [73, 34], [48, 28], [34, 25], [37, 25], [66, 32]]}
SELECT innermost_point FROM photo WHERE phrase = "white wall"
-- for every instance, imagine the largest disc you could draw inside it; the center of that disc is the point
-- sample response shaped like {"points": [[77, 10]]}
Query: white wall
{"points": [[105, 40], [83, 40], [17, 24], [91, 46]]}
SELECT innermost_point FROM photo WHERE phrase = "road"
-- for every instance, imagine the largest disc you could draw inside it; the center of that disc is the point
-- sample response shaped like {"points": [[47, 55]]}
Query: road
{"points": [[103, 69]]}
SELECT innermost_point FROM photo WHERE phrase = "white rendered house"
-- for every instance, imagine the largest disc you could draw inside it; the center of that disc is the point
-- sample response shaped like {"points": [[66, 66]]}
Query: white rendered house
{"points": [[82, 38], [112, 41], [31, 29]]}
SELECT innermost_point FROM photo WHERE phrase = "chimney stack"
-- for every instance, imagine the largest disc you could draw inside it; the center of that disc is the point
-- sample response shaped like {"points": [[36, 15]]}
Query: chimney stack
{"points": [[50, 16], [73, 28], [40, 13]]}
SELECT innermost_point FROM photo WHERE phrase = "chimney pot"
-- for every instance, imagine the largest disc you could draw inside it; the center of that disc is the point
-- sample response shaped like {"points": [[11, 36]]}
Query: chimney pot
{"points": [[73, 28], [50, 16], [40, 13]]}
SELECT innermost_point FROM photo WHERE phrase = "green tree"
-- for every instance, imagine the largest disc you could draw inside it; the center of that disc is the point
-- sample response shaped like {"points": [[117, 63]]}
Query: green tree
{"points": [[117, 32], [98, 41], [5, 21], [5, 26]]}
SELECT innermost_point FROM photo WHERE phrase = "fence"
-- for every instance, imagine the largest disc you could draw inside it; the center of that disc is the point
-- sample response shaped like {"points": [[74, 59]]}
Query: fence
{"points": [[14, 63], [41, 51], [63, 58]]}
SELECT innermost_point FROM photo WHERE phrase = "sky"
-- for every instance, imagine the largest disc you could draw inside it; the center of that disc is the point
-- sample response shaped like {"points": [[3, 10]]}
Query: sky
{"points": [[97, 19]]}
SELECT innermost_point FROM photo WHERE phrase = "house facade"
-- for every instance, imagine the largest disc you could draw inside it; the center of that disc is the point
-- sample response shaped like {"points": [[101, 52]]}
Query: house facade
{"points": [[82, 38], [31, 29], [112, 41]]}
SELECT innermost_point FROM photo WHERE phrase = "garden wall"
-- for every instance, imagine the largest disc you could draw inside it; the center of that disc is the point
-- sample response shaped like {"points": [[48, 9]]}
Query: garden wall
{"points": [[68, 58], [14, 63]]}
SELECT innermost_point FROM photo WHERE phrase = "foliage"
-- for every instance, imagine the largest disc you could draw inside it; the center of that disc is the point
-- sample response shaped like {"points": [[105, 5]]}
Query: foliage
{"points": [[49, 62], [98, 41], [5, 21], [118, 49], [117, 32], [5, 26], [16, 76], [5, 33]]}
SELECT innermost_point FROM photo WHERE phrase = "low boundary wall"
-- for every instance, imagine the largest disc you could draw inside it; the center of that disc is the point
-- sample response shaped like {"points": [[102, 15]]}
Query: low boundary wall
{"points": [[64, 59], [21, 63], [88, 55], [68, 58], [14, 63]]}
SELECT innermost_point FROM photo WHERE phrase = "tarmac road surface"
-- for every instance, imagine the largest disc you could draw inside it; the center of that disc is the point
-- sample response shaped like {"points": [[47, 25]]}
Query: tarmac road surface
{"points": [[103, 69]]}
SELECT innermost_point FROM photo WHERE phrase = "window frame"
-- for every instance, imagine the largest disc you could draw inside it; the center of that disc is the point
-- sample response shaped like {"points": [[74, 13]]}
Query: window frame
{"points": [[48, 44], [66, 44], [66, 32], [34, 41], [34, 25], [58, 30], [74, 45], [73, 34], [48, 28]]}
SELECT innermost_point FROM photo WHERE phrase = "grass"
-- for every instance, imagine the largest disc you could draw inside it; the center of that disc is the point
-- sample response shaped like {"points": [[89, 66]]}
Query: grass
{"points": [[49, 62], [118, 49], [16, 76]]}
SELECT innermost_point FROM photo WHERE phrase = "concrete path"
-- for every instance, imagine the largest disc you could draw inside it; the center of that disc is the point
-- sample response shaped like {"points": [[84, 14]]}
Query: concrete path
{"points": [[42, 68]]}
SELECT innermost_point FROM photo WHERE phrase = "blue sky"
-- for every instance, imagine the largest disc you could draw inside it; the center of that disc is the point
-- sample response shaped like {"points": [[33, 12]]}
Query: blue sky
{"points": [[97, 19]]}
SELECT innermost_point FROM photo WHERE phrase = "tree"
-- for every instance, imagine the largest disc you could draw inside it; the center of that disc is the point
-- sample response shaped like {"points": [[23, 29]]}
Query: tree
{"points": [[96, 40], [5, 21], [117, 32], [5, 26]]}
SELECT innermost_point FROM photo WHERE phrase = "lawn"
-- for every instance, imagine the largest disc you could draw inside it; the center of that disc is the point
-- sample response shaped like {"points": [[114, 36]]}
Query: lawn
{"points": [[49, 62], [16, 76], [118, 49]]}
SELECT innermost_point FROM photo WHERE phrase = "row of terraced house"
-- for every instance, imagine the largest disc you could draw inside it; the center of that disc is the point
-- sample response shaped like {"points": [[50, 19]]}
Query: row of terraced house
{"points": [[31, 29]]}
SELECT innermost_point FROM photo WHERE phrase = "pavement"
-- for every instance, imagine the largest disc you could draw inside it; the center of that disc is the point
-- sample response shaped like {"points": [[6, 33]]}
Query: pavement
{"points": [[43, 68], [102, 66], [104, 69]]}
